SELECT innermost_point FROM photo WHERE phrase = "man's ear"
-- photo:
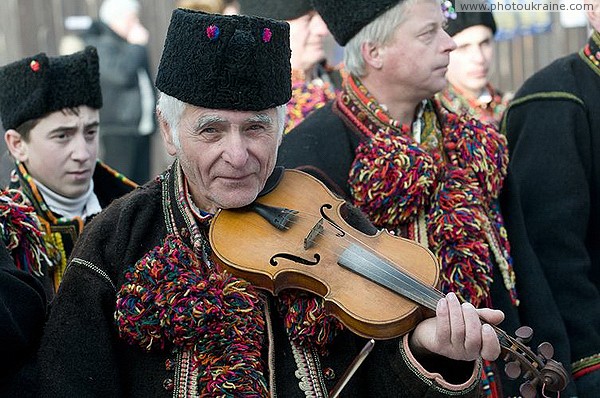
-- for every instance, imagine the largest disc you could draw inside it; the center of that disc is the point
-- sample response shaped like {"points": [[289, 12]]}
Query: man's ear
{"points": [[16, 145], [167, 136], [371, 53]]}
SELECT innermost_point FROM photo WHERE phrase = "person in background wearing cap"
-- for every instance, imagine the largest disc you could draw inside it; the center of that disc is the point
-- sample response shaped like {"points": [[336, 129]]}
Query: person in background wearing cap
{"points": [[127, 119], [551, 202], [49, 107], [144, 311], [414, 168], [469, 89], [22, 296], [314, 82]]}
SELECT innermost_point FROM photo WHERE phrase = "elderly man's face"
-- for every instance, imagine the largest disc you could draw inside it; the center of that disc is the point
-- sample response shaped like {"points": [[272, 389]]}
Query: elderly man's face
{"points": [[226, 155], [414, 62]]}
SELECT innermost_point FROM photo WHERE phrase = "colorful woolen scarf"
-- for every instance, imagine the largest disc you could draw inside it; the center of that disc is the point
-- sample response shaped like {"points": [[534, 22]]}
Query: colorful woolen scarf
{"points": [[20, 232], [306, 97], [452, 181]]}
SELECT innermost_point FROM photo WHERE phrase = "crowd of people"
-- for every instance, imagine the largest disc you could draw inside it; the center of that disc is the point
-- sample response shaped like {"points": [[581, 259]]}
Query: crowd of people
{"points": [[110, 281]]}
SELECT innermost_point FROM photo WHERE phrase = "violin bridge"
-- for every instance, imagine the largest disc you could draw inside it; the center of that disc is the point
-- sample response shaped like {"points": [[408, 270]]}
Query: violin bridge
{"points": [[315, 231]]}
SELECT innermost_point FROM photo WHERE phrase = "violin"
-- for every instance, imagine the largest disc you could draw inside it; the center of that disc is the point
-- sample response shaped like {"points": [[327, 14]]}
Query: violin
{"points": [[379, 286]]}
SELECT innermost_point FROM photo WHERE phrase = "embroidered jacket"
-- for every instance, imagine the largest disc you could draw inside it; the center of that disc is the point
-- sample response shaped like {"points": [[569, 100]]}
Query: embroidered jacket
{"points": [[488, 108], [141, 355], [60, 234], [552, 204]]}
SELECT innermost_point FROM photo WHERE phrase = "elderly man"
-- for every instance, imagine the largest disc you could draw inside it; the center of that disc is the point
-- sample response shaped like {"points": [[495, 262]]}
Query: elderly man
{"points": [[50, 109], [145, 311], [412, 166]]}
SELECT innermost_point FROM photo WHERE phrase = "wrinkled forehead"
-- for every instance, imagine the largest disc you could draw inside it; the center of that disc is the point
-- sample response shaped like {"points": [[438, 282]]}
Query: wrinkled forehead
{"points": [[196, 114]]}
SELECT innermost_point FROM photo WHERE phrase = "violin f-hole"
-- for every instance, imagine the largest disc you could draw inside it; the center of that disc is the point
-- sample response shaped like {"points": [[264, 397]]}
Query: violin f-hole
{"points": [[294, 258]]}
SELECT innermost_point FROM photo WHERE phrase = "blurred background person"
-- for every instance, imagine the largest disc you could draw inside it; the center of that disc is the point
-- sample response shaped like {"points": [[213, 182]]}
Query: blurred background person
{"points": [[127, 119], [314, 82], [469, 89]]}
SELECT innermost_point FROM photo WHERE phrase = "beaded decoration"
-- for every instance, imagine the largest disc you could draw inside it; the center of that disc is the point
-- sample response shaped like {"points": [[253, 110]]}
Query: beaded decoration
{"points": [[20, 232], [591, 52], [394, 180], [35, 66], [453, 99], [266, 35]]}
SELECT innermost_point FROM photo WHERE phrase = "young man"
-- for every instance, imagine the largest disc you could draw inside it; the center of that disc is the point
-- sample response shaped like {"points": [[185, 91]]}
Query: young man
{"points": [[314, 83], [469, 90], [413, 167], [49, 107], [145, 311], [552, 205]]}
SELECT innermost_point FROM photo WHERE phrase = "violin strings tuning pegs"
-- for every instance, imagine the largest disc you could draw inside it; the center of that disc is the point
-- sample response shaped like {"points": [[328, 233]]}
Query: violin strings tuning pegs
{"points": [[546, 350], [528, 390], [512, 369], [524, 334]]}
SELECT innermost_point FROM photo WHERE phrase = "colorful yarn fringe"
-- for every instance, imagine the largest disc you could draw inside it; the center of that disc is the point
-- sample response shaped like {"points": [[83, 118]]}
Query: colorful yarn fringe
{"points": [[306, 320], [20, 231], [306, 97], [394, 179], [171, 297]]}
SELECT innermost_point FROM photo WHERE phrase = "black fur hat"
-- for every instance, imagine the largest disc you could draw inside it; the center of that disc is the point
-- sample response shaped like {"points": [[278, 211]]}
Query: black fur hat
{"points": [[345, 18], [226, 61], [284, 10], [38, 85], [465, 20]]}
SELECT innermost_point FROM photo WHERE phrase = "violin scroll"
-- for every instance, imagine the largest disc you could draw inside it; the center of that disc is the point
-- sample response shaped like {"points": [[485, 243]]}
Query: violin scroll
{"points": [[540, 370]]}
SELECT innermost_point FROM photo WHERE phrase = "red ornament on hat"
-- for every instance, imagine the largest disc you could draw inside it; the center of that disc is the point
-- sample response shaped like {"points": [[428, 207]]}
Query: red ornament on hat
{"points": [[34, 65]]}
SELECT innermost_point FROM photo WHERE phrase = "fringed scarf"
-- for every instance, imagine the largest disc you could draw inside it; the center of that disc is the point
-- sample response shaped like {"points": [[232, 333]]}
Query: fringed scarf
{"points": [[20, 232], [450, 182], [177, 296], [306, 97]]}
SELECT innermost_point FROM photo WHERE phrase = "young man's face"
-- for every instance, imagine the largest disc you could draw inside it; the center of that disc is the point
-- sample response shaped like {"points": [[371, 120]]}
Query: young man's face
{"points": [[61, 150], [415, 60], [470, 63], [226, 155]]}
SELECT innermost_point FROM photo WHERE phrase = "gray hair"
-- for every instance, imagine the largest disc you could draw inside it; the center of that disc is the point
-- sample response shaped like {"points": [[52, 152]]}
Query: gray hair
{"points": [[171, 109], [113, 10], [379, 31]]}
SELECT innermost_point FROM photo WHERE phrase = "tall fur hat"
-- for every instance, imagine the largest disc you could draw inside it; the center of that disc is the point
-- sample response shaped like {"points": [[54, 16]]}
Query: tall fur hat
{"points": [[345, 18], [35, 86], [284, 10], [465, 20], [226, 61]]}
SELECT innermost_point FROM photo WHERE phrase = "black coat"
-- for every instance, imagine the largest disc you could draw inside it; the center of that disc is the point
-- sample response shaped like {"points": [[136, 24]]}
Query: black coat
{"points": [[22, 317], [552, 209]]}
